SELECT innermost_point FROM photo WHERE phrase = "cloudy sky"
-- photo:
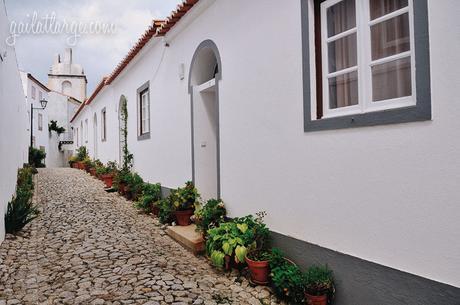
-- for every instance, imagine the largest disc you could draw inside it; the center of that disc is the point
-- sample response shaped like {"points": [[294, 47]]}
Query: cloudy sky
{"points": [[98, 54]]}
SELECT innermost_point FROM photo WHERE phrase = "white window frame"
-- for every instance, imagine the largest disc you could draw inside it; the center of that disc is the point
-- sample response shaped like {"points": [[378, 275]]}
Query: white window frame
{"points": [[364, 61], [40, 121], [86, 130], [144, 112], [103, 125]]}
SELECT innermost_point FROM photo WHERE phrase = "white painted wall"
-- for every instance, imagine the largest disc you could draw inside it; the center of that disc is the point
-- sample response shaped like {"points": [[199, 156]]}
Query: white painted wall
{"points": [[13, 120], [388, 194]]}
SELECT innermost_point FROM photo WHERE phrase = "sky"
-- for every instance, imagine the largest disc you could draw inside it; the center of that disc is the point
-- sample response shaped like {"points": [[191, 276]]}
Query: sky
{"points": [[98, 53]]}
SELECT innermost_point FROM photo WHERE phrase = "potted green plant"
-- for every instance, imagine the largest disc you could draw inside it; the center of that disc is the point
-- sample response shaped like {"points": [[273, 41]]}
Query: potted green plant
{"points": [[108, 172], [210, 215], [82, 153], [73, 162], [165, 210], [151, 194], [184, 200], [135, 184], [95, 165], [121, 181], [87, 163], [319, 285], [287, 278], [258, 259], [231, 241]]}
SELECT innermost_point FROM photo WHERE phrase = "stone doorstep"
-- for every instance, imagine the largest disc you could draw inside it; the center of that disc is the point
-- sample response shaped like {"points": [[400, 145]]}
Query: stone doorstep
{"points": [[187, 237]]}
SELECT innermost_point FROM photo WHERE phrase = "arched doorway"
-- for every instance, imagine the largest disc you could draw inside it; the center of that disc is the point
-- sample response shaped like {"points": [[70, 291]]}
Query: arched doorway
{"points": [[95, 136], [122, 125], [205, 74]]}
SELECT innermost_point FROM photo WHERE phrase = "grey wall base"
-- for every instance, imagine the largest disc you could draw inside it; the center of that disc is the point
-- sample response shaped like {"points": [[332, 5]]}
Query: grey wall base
{"points": [[361, 282]]}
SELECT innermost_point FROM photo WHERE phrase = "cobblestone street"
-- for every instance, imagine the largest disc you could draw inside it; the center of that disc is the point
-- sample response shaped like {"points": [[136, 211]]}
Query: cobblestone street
{"points": [[92, 247]]}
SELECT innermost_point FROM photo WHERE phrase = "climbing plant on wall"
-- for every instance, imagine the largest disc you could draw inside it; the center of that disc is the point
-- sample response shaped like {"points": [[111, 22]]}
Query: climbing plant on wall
{"points": [[127, 156]]}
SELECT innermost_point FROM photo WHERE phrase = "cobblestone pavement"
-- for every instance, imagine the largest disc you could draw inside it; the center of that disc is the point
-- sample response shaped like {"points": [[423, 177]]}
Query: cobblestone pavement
{"points": [[92, 247]]}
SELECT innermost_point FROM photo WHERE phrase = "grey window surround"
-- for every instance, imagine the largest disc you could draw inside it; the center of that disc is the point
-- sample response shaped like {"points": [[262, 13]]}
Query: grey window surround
{"points": [[104, 124], [420, 112], [141, 89]]}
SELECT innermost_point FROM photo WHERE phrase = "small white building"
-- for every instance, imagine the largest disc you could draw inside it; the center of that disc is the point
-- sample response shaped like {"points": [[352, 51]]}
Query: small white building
{"points": [[339, 118], [13, 120], [59, 108]]}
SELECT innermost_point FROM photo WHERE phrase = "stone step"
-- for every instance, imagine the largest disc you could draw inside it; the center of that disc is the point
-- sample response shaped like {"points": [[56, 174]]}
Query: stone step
{"points": [[188, 237]]}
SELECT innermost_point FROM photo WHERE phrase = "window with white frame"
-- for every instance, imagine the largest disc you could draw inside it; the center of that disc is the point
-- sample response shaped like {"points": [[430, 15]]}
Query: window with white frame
{"points": [[143, 111], [366, 61], [34, 93], [40, 121], [103, 125]]}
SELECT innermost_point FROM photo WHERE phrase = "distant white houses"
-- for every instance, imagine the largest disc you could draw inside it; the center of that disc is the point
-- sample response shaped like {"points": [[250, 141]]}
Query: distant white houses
{"points": [[13, 120], [64, 93]]}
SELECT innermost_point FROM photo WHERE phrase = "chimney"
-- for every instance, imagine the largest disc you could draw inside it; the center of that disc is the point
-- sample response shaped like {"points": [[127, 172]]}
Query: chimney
{"points": [[68, 56]]}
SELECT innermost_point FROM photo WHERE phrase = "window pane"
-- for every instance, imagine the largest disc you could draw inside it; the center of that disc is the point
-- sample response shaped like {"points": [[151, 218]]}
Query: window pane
{"points": [[343, 90], [341, 17], [391, 80], [379, 8], [390, 37], [342, 53]]}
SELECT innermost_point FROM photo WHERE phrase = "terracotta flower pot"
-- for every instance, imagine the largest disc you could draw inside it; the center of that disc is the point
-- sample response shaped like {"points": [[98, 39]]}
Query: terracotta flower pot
{"points": [[183, 217], [92, 171], [154, 209], [316, 299], [259, 271], [81, 165], [108, 180]]}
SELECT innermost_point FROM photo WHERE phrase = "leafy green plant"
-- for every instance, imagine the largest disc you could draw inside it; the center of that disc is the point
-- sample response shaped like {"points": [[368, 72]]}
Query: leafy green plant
{"points": [[54, 126], [88, 162], [72, 160], [210, 215], [165, 214], [236, 238], [135, 185], [20, 210], [185, 198], [36, 157], [82, 153], [319, 280], [151, 193], [287, 282]]}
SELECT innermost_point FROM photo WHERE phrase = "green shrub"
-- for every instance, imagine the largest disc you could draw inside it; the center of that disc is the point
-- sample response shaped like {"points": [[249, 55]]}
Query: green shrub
{"points": [[20, 210], [166, 210], [82, 153], [36, 157], [54, 126], [287, 282], [210, 215], [184, 198], [150, 193], [135, 185], [236, 238], [319, 280]]}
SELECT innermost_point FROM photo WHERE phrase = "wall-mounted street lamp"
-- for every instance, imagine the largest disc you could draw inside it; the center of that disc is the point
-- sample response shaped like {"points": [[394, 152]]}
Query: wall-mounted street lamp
{"points": [[43, 106]]}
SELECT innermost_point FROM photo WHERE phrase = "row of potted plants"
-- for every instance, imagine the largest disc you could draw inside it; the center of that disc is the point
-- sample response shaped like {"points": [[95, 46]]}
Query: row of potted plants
{"points": [[230, 243]]}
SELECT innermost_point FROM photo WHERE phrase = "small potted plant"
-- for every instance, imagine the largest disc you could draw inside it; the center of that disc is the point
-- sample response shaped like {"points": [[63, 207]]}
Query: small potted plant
{"points": [[209, 216], [87, 163], [184, 200], [287, 278], [134, 187], [259, 258], [108, 172], [73, 162], [151, 194], [82, 154], [319, 285], [121, 181]]}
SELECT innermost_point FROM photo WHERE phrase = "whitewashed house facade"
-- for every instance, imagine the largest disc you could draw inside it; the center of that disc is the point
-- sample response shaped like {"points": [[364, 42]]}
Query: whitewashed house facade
{"points": [[339, 118], [13, 120]]}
